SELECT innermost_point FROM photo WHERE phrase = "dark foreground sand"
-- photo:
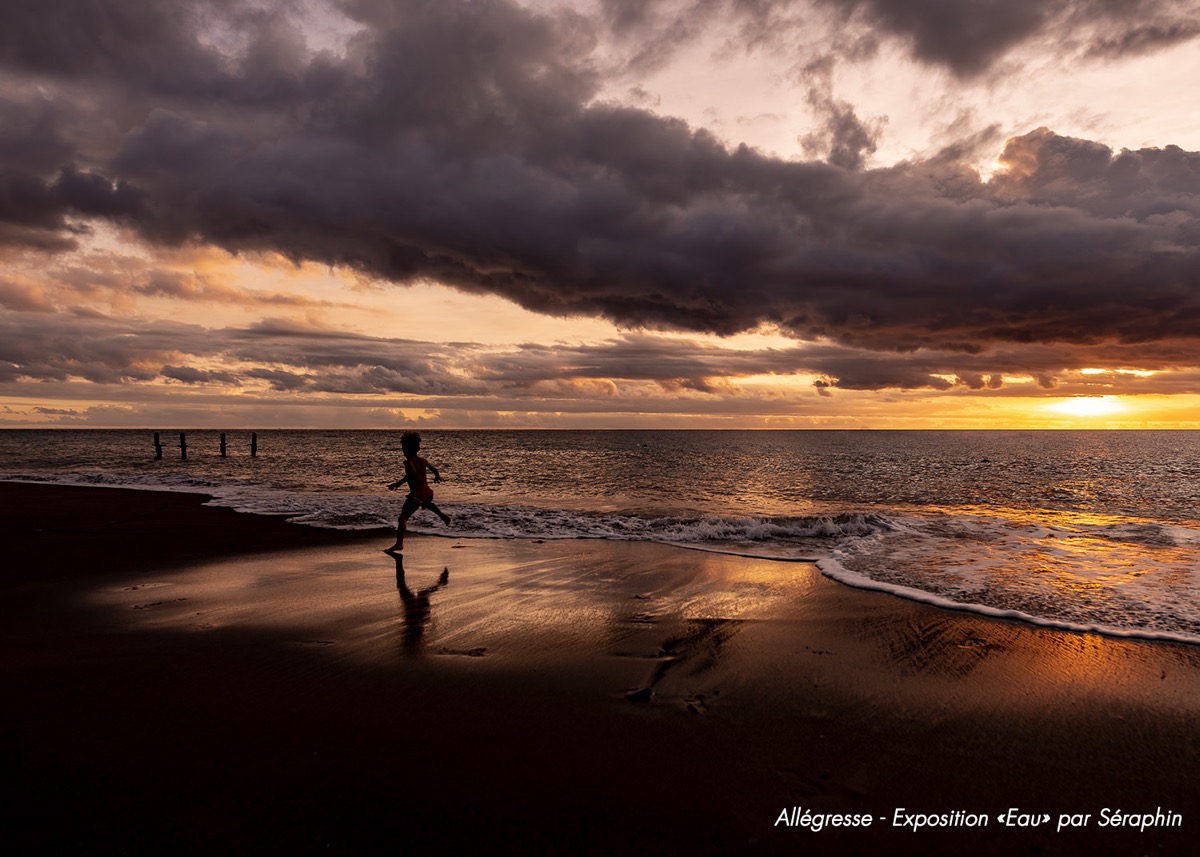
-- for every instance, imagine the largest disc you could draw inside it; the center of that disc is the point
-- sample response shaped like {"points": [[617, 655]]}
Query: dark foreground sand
{"points": [[182, 679]]}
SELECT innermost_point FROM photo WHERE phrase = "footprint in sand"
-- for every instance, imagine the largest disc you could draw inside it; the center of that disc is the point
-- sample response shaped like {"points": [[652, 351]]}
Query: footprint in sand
{"points": [[157, 604], [642, 619], [465, 653], [642, 695]]}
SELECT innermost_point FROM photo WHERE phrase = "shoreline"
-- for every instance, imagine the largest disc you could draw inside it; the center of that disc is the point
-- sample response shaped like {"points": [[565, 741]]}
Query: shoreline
{"points": [[201, 531], [279, 688]]}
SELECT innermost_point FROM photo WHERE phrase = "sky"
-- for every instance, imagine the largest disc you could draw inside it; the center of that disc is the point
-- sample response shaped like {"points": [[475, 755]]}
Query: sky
{"points": [[881, 214]]}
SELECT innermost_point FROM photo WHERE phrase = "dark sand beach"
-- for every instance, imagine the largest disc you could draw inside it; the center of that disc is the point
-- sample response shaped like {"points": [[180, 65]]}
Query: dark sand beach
{"points": [[184, 679]]}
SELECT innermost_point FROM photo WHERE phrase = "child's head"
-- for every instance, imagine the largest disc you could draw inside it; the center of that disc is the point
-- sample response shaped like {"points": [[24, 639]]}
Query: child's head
{"points": [[410, 442]]}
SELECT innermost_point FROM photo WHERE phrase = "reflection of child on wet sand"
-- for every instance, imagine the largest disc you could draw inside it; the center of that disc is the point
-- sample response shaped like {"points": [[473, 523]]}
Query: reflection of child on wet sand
{"points": [[420, 495], [416, 604]]}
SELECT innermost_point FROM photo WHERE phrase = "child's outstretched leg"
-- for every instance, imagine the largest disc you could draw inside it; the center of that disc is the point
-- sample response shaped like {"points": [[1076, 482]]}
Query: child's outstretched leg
{"points": [[431, 507]]}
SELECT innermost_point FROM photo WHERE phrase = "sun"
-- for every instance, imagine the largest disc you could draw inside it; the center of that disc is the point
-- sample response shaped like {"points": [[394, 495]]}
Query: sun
{"points": [[1088, 406]]}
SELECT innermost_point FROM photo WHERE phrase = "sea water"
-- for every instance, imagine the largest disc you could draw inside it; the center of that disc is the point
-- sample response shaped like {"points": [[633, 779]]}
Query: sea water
{"points": [[1077, 529]]}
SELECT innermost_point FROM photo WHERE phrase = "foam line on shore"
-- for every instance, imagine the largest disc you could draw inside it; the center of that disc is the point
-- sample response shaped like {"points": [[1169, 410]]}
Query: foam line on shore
{"points": [[834, 570]]}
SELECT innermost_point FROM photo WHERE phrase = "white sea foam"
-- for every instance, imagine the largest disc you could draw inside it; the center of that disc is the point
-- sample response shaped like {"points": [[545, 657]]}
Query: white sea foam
{"points": [[833, 569], [1064, 570]]}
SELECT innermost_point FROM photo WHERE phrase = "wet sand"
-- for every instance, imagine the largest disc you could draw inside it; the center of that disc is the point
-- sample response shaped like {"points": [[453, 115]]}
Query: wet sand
{"points": [[183, 679]]}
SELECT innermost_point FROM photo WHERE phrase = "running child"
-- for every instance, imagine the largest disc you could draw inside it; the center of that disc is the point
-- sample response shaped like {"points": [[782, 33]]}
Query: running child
{"points": [[420, 495]]}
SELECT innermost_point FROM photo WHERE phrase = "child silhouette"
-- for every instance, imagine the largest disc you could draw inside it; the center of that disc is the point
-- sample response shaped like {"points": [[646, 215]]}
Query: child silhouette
{"points": [[420, 495]]}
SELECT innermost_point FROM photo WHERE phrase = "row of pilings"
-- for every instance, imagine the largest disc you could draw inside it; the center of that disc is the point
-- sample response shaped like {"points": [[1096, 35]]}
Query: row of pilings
{"points": [[183, 447]]}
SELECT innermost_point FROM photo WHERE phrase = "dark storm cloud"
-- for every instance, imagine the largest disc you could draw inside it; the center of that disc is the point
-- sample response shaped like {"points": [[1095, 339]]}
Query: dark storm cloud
{"points": [[30, 138], [686, 364], [198, 49], [1049, 365], [192, 375], [334, 361], [57, 346], [671, 364], [461, 142], [968, 37], [46, 346], [37, 212], [1147, 39], [842, 138]]}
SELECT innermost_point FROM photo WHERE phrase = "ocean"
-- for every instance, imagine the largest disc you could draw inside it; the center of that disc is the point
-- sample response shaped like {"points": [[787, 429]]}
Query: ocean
{"points": [[1086, 530]]}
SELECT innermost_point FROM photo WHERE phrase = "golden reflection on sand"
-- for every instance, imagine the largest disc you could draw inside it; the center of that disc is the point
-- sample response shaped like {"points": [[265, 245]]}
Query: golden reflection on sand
{"points": [[645, 623], [477, 596]]}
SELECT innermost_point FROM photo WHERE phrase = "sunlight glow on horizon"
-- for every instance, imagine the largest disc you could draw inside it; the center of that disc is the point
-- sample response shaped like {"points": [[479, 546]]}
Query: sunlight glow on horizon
{"points": [[1088, 406]]}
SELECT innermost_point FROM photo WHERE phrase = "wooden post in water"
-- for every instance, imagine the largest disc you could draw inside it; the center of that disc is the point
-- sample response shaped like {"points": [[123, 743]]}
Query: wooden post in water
{"points": [[182, 446], [222, 444], [157, 447], [253, 444]]}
